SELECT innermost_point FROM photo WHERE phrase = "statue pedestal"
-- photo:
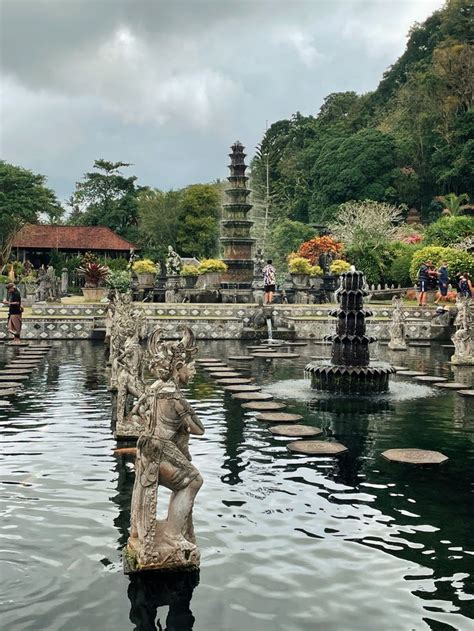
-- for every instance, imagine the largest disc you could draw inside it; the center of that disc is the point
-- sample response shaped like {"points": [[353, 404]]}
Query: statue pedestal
{"points": [[160, 554], [128, 429]]}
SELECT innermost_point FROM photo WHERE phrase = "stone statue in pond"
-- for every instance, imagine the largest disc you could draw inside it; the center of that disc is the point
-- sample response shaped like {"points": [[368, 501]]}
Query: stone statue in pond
{"points": [[173, 262], [163, 460], [397, 326], [463, 338]]}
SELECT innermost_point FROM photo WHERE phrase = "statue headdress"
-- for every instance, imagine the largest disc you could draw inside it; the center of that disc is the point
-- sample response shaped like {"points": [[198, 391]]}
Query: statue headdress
{"points": [[167, 357]]}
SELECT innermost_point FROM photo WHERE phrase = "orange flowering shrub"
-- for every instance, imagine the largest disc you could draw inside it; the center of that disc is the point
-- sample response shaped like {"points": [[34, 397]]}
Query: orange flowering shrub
{"points": [[313, 248]]}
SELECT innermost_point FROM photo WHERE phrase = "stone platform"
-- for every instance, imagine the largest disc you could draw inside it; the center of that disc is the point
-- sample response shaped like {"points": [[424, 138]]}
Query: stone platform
{"points": [[215, 321]]}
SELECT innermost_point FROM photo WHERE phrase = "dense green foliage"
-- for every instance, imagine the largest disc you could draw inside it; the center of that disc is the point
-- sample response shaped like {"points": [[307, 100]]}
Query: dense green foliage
{"points": [[408, 142], [449, 230], [459, 262], [23, 198]]}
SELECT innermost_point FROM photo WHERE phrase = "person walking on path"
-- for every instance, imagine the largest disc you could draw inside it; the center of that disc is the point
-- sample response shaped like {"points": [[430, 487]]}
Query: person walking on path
{"points": [[443, 282], [424, 274], [268, 282], [14, 312]]}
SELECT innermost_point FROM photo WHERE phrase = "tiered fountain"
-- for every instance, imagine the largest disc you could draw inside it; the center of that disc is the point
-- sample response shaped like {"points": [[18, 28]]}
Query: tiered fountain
{"points": [[350, 369], [235, 239]]}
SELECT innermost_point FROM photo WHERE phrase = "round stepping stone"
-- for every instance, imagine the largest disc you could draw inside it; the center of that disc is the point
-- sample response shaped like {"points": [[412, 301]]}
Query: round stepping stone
{"points": [[296, 343], [12, 375], [414, 456], [5, 404], [430, 378], [278, 417], [17, 345], [234, 381], [252, 396], [7, 393], [217, 368], [410, 373], [13, 372], [224, 375], [316, 448], [263, 406], [255, 348], [276, 355], [466, 393], [295, 431], [208, 360], [451, 385], [17, 364], [240, 358], [242, 388], [9, 384], [398, 368]]}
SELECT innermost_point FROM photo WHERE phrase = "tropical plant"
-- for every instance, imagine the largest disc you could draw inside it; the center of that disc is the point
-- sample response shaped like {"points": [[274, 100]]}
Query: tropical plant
{"points": [[144, 266], [339, 266], [400, 269], [94, 273], [453, 204], [4, 280], [211, 265], [190, 270], [299, 265], [316, 270], [120, 281], [449, 230], [119, 264], [458, 261], [313, 248]]}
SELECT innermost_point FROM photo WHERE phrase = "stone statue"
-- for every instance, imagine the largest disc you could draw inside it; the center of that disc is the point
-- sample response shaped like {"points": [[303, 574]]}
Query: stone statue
{"points": [[118, 327], [132, 258], [325, 260], [173, 262], [163, 459], [397, 326], [463, 338], [40, 295], [50, 285]]}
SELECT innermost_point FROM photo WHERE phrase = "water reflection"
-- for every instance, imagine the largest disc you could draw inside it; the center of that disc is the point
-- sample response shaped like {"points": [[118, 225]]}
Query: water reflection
{"points": [[148, 591]]}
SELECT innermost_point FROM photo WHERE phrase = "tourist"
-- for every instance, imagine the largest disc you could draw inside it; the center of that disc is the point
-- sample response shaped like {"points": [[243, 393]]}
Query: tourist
{"points": [[424, 274], [465, 286], [14, 312], [268, 282], [443, 282]]}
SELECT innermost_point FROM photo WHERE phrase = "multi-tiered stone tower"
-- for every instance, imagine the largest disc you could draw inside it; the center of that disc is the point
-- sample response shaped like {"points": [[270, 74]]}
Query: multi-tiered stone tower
{"points": [[350, 369], [236, 241]]}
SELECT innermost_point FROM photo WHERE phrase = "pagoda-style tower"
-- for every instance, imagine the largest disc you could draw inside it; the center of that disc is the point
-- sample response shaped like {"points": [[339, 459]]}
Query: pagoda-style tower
{"points": [[235, 226]]}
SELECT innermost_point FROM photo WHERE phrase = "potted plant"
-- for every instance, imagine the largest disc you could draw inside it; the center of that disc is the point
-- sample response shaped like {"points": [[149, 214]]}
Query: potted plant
{"points": [[339, 266], [315, 276], [146, 272], [300, 270], [210, 271], [119, 281], [190, 274], [95, 275]]}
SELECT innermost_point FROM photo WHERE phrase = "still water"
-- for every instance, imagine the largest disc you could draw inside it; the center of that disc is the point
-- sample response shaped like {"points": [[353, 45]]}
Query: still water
{"points": [[288, 542]]}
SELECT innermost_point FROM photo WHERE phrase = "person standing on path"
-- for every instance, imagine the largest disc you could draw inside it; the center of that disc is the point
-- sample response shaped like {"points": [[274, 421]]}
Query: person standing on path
{"points": [[424, 274], [443, 282], [269, 281], [14, 312]]}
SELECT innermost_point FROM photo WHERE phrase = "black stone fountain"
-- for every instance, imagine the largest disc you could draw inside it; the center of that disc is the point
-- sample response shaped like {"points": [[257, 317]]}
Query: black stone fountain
{"points": [[350, 369]]}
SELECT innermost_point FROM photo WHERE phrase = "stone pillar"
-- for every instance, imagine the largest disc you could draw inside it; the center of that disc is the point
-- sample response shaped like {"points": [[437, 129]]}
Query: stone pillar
{"points": [[64, 282]]}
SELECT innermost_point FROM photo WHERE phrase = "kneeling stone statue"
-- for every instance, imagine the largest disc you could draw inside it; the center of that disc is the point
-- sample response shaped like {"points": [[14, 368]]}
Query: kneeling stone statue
{"points": [[163, 459]]}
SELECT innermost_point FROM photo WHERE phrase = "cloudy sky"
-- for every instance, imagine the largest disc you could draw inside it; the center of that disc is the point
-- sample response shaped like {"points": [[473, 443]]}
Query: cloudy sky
{"points": [[169, 85]]}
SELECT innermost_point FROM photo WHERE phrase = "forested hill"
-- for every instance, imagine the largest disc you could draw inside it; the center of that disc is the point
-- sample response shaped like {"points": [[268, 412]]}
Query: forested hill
{"points": [[407, 142]]}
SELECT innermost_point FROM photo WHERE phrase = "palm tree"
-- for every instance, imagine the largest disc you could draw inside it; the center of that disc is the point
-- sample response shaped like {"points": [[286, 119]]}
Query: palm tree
{"points": [[453, 204]]}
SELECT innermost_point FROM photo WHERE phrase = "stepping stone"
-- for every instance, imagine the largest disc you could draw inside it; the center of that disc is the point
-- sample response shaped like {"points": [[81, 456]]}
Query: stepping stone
{"points": [[410, 373], [7, 393], [276, 355], [278, 417], [430, 378], [252, 396], [321, 357], [9, 376], [5, 404], [242, 388], [466, 393], [447, 345], [451, 385], [13, 372], [17, 345], [207, 360], [234, 381], [415, 456], [224, 375], [317, 448], [18, 364], [264, 406], [270, 351], [240, 358], [398, 368], [295, 431], [296, 343], [217, 368], [5, 385]]}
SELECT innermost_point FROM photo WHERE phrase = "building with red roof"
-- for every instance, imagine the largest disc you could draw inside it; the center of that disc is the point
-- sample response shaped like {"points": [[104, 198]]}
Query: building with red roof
{"points": [[34, 242]]}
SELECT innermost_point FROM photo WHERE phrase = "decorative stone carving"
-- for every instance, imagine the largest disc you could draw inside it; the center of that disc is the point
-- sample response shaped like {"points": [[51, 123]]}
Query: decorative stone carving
{"points": [[173, 262], [397, 326], [163, 460], [463, 337]]}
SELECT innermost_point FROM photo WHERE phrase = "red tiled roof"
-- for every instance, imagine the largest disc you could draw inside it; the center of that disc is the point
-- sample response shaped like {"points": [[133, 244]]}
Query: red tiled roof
{"points": [[70, 238]]}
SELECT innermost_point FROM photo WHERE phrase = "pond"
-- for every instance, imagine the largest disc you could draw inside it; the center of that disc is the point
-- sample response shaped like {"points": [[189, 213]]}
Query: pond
{"points": [[288, 542]]}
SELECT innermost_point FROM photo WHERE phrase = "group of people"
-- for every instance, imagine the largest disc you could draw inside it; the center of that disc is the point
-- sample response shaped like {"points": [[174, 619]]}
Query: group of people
{"points": [[429, 278]]}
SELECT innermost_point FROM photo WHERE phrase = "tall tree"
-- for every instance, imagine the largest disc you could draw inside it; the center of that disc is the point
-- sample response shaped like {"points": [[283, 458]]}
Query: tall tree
{"points": [[107, 198], [198, 229], [159, 215], [23, 199]]}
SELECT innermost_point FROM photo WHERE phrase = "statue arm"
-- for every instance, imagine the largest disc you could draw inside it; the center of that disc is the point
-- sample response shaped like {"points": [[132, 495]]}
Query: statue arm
{"points": [[189, 417]]}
